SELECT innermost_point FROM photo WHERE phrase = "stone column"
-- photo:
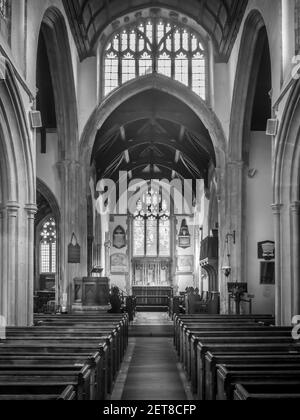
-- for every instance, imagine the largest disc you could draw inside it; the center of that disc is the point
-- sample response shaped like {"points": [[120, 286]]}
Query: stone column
{"points": [[3, 259], [197, 256], [31, 212], [107, 246], [278, 288], [12, 209], [173, 249], [69, 171], [295, 263], [97, 242], [129, 279], [235, 191]]}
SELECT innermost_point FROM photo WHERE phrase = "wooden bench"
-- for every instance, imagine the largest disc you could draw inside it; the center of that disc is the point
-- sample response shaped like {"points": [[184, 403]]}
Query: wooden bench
{"points": [[229, 376], [29, 393], [64, 345], [16, 380], [242, 348], [213, 360], [84, 349], [271, 392], [36, 361], [116, 350], [180, 321], [193, 337]]}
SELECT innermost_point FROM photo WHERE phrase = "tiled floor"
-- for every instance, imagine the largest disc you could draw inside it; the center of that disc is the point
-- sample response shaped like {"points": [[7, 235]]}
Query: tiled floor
{"points": [[151, 370]]}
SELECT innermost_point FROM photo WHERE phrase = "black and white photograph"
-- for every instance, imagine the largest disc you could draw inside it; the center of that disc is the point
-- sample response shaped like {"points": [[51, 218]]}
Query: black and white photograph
{"points": [[149, 203]]}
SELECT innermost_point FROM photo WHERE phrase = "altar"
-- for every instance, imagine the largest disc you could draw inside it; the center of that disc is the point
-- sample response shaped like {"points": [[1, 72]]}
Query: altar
{"points": [[152, 272]]}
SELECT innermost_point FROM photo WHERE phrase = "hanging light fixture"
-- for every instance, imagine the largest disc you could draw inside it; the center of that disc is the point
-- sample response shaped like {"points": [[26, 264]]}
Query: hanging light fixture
{"points": [[227, 268]]}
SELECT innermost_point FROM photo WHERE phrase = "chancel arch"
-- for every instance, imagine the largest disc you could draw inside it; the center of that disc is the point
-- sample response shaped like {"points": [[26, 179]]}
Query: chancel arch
{"points": [[149, 141]]}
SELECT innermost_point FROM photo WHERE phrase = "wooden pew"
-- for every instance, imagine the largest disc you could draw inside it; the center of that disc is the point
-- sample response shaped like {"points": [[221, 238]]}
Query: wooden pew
{"points": [[55, 349], [229, 376], [16, 381], [95, 362], [64, 347], [243, 349], [30, 393], [116, 347], [84, 321], [213, 360], [192, 337], [271, 392], [186, 320]]}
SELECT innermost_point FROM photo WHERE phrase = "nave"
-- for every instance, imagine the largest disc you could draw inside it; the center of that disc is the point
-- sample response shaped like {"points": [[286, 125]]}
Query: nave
{"points": [[151, 370]]}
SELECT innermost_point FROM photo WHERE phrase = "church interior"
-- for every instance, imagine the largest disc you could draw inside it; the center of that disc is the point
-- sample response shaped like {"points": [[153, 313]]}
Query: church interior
{"points": [[149, 200]]}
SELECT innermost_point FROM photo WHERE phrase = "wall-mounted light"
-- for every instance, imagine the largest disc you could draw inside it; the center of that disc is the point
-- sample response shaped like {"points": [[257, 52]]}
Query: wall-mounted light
{"points": [[226, 270], [251, 173]]}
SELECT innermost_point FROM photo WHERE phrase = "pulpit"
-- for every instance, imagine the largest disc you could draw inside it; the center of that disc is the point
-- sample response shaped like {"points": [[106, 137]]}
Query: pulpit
{"points": [[91, 293]]}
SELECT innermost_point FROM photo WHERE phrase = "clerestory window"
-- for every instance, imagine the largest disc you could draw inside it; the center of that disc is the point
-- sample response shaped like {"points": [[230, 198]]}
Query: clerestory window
{"points": [[156, 45]]}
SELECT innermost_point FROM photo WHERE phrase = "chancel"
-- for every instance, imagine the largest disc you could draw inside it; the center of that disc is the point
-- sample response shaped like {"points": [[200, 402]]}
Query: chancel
{"points": [[149, 200]]}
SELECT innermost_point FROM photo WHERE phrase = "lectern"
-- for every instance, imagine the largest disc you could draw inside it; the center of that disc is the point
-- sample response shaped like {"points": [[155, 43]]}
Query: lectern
{"points": [[91, 294]]}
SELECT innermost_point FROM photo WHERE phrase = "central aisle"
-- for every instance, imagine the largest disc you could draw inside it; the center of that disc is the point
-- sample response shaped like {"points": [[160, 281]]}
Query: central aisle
{"points": [[151, 370]]}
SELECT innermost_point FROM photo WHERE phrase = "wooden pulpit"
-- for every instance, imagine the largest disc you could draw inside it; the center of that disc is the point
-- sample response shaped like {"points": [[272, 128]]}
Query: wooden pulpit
{"points": [[91, 293]]}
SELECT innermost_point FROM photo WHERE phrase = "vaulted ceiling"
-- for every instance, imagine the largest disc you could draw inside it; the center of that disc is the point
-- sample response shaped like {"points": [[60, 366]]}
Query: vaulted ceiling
{"points": [[220, 18], [153, 136]]}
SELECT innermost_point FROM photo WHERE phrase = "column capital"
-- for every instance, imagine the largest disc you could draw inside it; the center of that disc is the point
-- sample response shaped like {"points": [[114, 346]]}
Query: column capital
{"points": [[295, 207], [277, 208], [238, 163], [31, 210], [69, 162], [12, 208]]}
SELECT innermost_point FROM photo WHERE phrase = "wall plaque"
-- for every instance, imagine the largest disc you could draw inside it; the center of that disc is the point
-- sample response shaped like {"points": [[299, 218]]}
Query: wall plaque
{"points": [[119, 238], [119, 263], [266, 250], [74, 251], [185, 264], [184, 238]]}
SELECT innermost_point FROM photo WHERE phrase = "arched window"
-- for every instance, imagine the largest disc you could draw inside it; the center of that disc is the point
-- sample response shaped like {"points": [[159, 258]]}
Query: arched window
{"points": [[156, 45], [151, 226], [48, 247], [5, 20], [4, 5]]}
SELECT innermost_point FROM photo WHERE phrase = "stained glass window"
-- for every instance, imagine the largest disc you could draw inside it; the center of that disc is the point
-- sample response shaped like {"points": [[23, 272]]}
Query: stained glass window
{"points": [[48, 247], [4, 8], [151, 226], [156, 45], [139, 237]]}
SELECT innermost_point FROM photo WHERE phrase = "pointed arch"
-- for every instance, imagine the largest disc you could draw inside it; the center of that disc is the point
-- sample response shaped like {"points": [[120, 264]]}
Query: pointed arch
{"points": [[164, 84], [61, 67]]}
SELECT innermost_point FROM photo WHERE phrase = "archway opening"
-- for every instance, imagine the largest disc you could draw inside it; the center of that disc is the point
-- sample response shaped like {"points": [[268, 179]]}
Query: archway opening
{"points": [[151, 243], [47, 155], [47, 246], [257, 155]]}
